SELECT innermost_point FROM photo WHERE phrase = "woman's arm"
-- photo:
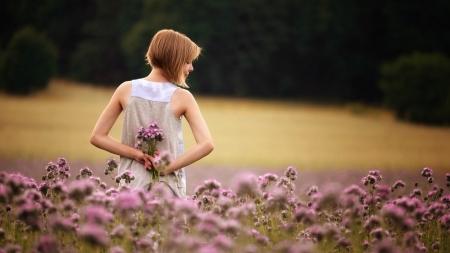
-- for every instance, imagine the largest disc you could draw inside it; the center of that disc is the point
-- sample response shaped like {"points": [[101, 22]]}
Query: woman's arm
{"points": [[100, 136], [183, 103]]}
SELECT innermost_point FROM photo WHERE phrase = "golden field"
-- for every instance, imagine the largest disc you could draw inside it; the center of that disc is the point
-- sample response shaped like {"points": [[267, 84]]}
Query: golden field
{"points": [[246, 133]]}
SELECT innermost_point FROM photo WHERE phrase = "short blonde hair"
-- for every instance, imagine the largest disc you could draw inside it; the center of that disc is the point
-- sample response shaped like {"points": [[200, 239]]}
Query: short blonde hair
{"points": [[168, 51]]}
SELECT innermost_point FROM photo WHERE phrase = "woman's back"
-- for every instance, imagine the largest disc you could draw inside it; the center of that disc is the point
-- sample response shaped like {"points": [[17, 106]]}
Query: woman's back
{"points": [[148, 102]]}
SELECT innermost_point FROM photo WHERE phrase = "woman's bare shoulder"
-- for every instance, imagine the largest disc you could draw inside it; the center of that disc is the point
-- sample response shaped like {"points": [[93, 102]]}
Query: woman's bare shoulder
{"points": [[183, 94], [122, 93], [125, 85]]}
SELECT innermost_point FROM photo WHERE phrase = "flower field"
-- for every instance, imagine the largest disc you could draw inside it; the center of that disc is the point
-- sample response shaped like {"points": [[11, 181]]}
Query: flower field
{"points": [[77, 211]]}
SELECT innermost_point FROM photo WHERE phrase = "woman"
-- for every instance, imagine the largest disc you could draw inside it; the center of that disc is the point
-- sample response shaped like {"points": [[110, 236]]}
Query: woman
{"points": [[157, 97]]}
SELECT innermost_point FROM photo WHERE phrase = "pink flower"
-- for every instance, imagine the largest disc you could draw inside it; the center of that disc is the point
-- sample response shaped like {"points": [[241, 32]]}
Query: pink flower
{"points": [[427, 172], [48, 244], [97, 215], [93, 234], [291, 173], [58, 223], [212, 184], [127, 201], [79, 189]]}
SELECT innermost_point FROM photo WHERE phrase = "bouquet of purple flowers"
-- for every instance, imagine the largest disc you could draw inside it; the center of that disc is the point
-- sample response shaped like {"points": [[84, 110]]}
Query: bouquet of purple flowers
{"points": [[147, 139]]}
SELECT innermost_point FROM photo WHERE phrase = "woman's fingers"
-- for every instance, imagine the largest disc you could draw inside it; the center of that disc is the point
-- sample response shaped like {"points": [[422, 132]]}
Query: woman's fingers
{"points": [[147, 162], [150, 159]]}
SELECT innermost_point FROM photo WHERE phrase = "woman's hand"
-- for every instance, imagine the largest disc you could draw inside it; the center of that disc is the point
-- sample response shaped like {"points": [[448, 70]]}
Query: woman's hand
{"points": [[145, 159], [142, 158]]}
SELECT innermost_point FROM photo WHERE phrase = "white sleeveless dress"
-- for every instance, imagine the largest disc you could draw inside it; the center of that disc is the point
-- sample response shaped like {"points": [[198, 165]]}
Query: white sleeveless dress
{"points": [[150, 101]]}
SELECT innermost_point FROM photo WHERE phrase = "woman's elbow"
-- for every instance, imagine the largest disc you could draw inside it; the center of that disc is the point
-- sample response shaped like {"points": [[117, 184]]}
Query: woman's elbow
{"points": [[94, 140], [209, 147]]}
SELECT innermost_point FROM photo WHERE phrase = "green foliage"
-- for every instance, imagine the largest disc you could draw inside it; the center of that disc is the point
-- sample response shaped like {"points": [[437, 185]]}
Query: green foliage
{"points": [[134, 45], [99, 58], [307, 49], [417, 87], [28, 62]]}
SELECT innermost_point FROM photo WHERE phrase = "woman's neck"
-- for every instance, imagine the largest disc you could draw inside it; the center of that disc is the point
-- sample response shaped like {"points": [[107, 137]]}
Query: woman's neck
{"points": [[156, 75]]}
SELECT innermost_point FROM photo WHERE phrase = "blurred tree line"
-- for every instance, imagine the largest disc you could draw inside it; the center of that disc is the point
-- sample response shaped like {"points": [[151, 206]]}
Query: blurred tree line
{"points": [[299, 49]]}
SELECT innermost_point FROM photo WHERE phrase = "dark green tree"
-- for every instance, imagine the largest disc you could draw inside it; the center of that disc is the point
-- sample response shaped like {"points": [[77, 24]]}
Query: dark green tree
{"points": [[99, 58], [417, 87], [28, 63]]}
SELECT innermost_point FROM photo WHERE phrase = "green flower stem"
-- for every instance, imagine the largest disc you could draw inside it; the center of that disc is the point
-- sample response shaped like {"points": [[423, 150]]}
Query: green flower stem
{"points": [[151, 151]]}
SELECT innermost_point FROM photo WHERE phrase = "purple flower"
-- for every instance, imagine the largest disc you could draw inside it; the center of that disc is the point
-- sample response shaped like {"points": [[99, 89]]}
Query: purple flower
{"points": [[29, 212], [51, 167], [416, 193], [304, 215], [277, 200], [199, 190], [271, 177], [144, 244], [223, 242], [5, 194], [119, 231], [228, 193], [138, 145], [329, 199], [112, 164], [411, 238], [398, 183], [409, 204], [263, 183], [74, 217], [398, 216], [12, 248], [262, 240], [437, 209], [242, 212], [355, 190], [247, 186], [160, 191], [447, 175], [93, 235], [427, 172], [97, 215], [48, 244], [445, 221], [383, 191], [127, 175], [312, 190], [85, 172], [372, 222], [212, 184], [209, 225], [378, 233], [58, 223], [79, 189], [435, 245], [446, 199], [376, 174], [286, 183], [111, 192], [127, 201], [63, 165], [231, 227], [291, 173], [16, 183]]}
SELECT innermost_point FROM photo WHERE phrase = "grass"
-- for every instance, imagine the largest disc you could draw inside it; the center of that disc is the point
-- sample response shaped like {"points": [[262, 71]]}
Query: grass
{"points": [[246, 133]]}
